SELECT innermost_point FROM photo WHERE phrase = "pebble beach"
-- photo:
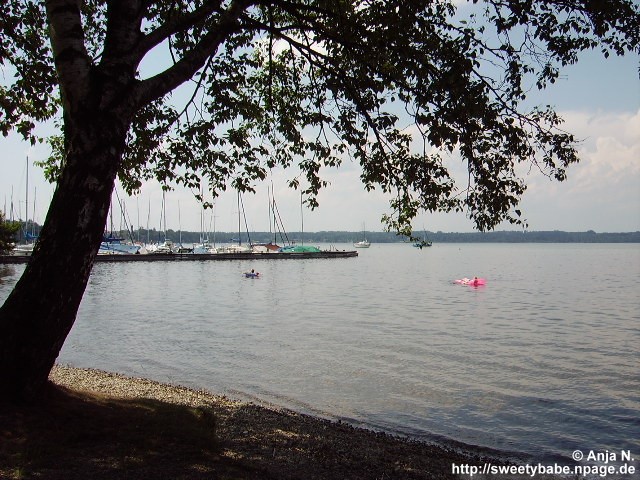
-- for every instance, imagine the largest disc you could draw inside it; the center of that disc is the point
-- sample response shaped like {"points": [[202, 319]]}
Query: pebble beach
{"points": [[279, 443]]}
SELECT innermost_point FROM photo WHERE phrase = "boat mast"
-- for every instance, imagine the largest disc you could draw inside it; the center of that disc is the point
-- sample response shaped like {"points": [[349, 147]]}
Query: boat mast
{"points": [[269, 210], [12, 208], [148, 218], [111, 218], [164, 215], [246, 225], [202, 225], [275, 218], [179, 226], [163, 218], [26, 208], [213, 219], [33, 218], [138, 212]]}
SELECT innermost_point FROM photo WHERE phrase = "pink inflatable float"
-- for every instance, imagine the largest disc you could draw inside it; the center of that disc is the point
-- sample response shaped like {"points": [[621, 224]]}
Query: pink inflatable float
{"points": [[472, 282]]}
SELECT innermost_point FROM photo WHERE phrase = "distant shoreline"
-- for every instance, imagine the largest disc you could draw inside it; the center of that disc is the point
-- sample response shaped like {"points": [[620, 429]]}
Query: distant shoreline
{"points": [[339, 237], [348, 237], [472, 237]]}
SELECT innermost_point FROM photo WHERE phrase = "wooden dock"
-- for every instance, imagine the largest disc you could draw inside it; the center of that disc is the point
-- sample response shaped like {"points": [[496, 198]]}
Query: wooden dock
{"points": [[191, 257]]}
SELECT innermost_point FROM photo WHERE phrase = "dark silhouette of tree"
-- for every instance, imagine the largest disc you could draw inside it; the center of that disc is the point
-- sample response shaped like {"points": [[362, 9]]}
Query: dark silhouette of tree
{"points": [[304, 85]]}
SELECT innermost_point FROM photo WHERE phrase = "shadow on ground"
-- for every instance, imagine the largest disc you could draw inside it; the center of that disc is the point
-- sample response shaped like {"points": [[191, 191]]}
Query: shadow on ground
{"points": [[76, 435], [80, 435]]}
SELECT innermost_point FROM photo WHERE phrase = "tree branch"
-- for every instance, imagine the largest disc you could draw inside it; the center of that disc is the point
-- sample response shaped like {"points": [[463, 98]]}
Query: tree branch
{"points": [[72, 61], [159, 85], [178, 24], [124, 18]]}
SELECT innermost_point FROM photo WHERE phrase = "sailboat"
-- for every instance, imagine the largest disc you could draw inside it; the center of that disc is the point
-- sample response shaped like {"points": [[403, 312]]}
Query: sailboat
{"points": [[29, 238], [238, 247], [205, 247], [115, 245], [364, 243], [424, 242]]}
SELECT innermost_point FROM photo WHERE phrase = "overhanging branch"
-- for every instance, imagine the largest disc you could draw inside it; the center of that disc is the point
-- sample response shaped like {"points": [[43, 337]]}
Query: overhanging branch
{"points": [[159, 85]]}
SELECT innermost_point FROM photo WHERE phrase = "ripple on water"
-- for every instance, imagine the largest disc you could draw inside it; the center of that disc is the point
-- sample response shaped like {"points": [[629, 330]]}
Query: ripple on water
{"points": [[538, 361]]}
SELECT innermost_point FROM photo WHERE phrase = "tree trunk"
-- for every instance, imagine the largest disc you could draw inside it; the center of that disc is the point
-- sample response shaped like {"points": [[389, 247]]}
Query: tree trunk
{"points": [[40, 311]]}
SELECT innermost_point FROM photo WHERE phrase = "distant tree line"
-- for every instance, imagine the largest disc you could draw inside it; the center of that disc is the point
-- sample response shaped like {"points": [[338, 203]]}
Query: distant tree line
{"points": [[555, 236], [285, 238]]}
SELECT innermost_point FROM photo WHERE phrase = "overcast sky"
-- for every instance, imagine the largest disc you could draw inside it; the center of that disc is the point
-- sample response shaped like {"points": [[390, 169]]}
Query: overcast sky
{"points": [[598, 98]]}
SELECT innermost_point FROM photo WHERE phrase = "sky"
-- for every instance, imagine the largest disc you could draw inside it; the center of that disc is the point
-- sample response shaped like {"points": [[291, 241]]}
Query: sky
{"points": [[598, 98]]}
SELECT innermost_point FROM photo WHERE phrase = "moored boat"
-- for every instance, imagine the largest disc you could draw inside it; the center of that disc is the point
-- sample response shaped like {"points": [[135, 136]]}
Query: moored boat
{"points": [[112, 245], [299, 249], [362, 244], [25, 249]]}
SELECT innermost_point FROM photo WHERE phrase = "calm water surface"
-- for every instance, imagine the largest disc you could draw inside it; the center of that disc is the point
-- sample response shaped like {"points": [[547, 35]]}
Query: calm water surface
{"points": [[542, 360]]}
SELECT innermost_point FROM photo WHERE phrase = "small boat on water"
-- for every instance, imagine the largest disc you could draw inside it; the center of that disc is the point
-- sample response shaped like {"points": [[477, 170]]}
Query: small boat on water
{"points": [[362, 244], [424, 242], [475, 282]]}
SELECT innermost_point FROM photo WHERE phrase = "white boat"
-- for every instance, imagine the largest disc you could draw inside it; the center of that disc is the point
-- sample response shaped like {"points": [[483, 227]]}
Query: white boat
{"points": [[423, 243], [234, 249], [165, 247], [265, 247], [203, 248], [364, 243], [111, 245], [25, 249]]}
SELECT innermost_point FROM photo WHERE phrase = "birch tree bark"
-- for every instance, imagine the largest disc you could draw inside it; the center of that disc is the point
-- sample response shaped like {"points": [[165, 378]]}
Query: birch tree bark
{"points": [[99, 102]]}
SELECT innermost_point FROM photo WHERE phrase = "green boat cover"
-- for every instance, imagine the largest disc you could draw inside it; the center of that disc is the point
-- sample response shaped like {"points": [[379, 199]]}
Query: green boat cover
{"points": [[299, 249]]}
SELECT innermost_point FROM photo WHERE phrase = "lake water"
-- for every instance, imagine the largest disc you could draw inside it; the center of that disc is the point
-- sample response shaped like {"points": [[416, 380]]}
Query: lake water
{"points": [[543, 360]]}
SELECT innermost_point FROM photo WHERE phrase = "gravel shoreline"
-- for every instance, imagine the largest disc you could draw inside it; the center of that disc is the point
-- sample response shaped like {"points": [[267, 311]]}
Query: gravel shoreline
{"points": [[282, 444]]}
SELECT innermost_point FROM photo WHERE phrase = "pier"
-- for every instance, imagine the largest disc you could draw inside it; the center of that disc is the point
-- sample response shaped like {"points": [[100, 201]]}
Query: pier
{"points": [[191, 257]]}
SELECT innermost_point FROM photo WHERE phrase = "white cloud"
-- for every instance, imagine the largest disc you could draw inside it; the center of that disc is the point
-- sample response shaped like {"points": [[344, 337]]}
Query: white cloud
{"points": [[610, 154], [601, 192]]}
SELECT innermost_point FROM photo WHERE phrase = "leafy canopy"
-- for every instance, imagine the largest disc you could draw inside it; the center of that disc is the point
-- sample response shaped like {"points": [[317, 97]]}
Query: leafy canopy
{"points": [[400, 86], [8, 231]]}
